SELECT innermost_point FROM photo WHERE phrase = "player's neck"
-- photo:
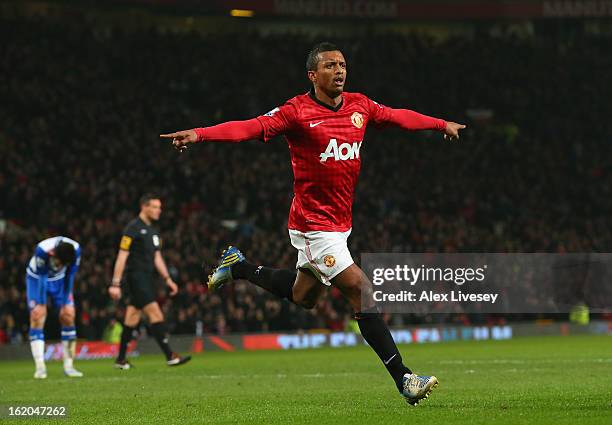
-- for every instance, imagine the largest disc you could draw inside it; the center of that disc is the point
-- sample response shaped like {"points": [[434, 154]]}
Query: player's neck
{"points": [[328, 100], [144, 218]]}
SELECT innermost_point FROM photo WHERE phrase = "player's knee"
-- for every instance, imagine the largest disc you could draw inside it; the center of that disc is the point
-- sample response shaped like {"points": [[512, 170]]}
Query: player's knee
{"points": [[38, 313], [308, 304], [67, 316], [154, 314], [303, 301], [355, 290]]}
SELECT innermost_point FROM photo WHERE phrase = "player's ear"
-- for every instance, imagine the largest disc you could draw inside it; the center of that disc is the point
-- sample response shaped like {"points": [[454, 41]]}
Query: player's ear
{"points": [[312, 76]]}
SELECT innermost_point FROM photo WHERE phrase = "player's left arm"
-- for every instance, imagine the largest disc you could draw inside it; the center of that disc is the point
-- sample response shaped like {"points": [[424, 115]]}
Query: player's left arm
{"points": [[160, 265], [411, 120], [71, 271]]}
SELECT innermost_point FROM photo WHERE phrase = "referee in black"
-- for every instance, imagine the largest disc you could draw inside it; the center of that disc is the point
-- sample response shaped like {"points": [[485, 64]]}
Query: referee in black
{"points": [[139, 252]]}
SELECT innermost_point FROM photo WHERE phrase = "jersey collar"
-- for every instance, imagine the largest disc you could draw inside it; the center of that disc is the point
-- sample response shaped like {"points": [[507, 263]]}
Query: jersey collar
{"points": [[311, 94]]}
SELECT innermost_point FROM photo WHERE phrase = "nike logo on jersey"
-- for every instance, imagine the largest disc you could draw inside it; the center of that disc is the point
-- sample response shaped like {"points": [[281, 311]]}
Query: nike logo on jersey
{"points": [[340, 153], [314, 124]]}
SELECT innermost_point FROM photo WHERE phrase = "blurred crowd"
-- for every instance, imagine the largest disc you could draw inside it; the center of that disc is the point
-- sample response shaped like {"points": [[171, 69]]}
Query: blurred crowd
{"points": [[83, 106]]}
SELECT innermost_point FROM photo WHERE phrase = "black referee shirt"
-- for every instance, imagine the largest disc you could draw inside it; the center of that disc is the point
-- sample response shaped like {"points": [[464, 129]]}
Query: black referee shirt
{"points": [[141, 240]]}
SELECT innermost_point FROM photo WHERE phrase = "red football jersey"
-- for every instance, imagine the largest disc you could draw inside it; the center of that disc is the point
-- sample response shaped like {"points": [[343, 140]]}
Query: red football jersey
{"points": [[324, 143]]}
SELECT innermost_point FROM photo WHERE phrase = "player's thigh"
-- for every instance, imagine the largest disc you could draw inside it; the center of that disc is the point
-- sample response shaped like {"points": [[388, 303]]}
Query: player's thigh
{"points": [[307, 289], [132, 316], [355, 286], [36, 293], [62, 300], [153, 312]]}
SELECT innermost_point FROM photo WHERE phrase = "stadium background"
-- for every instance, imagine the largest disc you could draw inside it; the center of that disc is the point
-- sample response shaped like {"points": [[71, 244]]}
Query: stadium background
{"points": [[86, 90]]}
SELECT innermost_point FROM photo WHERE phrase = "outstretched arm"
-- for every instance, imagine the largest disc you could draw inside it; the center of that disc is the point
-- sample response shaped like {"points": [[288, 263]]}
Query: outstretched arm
{"points": [[411, 120], [232, 131]]}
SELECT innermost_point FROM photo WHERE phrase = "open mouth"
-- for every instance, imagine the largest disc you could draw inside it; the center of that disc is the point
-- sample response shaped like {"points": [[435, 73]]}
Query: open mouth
{"points": [[339, 81]]}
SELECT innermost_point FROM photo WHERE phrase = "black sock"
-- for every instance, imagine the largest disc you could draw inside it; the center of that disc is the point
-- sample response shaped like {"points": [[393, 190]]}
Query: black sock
{"points": [[126, 337], [277, 281], [161, 336], [375, 331]]}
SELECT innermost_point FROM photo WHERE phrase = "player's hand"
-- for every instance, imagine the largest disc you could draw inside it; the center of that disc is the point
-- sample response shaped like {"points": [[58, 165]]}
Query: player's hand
{"points": [[114, 292], [181, 139], [172, 286], [452, 130]]}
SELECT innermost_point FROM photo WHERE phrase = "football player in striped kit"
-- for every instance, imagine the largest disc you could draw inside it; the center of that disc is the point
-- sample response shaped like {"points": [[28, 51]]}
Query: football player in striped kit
{"points": [[50, 272]]}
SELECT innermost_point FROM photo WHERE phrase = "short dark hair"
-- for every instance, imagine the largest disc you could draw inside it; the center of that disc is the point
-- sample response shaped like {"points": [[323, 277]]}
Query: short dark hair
{"points": [[64, 252], [313, 56], [144, 199]]}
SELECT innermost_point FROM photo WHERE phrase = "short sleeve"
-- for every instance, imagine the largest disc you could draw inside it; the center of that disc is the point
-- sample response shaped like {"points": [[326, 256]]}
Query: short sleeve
{"points": [[40, 261], [380, 115], [129, 234], [279, 120]]}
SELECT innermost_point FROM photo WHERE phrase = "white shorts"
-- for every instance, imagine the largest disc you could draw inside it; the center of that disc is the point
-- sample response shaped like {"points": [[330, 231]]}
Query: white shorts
{"points": [[324, 253]]}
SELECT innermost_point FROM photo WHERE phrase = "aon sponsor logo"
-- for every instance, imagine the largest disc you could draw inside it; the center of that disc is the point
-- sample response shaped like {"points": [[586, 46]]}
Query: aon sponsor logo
{"points": [[341, 153]]}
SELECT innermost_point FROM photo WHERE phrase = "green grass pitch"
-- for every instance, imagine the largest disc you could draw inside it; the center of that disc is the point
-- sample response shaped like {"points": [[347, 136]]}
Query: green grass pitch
{"points": [[547, 380]]}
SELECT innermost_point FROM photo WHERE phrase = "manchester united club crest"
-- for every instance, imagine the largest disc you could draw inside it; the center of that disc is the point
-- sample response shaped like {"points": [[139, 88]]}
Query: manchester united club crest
{"points": [[329, 260], [357, 119]]}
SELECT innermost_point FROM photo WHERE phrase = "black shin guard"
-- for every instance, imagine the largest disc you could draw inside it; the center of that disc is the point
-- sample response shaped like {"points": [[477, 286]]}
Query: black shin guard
{"points": [[161, 336], [375, 331], [126, 337], [277, 281]]}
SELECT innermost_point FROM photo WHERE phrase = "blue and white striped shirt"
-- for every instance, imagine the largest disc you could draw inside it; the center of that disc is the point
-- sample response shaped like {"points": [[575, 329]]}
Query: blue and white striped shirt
{"points": [[40, 268]]}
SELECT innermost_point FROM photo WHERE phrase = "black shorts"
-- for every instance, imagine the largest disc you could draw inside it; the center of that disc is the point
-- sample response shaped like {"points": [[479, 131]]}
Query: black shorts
{"points": [[139, 289]]}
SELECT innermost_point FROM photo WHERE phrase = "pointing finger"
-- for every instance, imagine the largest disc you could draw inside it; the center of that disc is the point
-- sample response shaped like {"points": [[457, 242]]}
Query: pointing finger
{"points": [[168, 136]]}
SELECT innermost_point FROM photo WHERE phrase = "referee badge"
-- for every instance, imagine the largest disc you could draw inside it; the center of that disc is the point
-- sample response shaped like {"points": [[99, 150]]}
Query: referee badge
{"points": [[357, 119], [329, 260], [126, 242]]}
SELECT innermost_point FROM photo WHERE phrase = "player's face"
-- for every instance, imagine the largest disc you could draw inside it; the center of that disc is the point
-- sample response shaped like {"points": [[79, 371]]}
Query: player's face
{"points": [[330, 74], [152, 209]]}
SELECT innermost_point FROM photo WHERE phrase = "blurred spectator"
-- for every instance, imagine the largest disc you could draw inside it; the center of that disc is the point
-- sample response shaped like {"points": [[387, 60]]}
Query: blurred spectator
{"points": [[112, 332]]}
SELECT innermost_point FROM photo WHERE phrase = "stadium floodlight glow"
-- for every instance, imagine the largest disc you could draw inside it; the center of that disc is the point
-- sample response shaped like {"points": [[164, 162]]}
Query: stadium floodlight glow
{"points": [[242, 13]]}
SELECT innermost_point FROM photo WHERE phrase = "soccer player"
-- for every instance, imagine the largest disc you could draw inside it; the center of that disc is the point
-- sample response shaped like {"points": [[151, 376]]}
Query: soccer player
{"points": [[51, 272], [139, 252], [324, 129]]}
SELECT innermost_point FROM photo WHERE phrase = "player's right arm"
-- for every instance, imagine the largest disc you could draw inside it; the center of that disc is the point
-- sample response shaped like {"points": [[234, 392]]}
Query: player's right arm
{"points": [[114, 289], [277, 121], [38, 269]]}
